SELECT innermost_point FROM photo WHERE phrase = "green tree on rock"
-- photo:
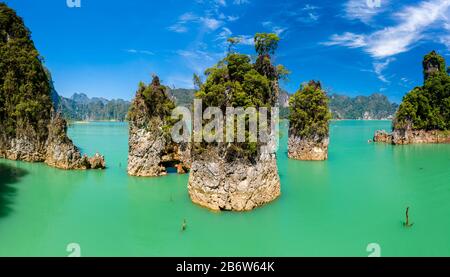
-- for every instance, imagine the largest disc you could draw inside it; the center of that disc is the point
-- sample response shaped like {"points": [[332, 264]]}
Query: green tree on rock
{"points": [[237, 82], [25, 98], [427, 107], [309, 113], [152, 102]]}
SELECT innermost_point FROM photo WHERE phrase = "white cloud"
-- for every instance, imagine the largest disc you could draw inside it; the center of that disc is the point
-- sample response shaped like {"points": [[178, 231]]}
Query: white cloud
{"points": [[274, 28], [379, 67], [240, 2], [224, 34], [178, 28], [247, 40], [313, 16], [412, 24], [134, 51], [278, 30], [232, 18], [211, 23], [347, 39], [221, 2], [363, 10], [309, 7], [186, 17]]}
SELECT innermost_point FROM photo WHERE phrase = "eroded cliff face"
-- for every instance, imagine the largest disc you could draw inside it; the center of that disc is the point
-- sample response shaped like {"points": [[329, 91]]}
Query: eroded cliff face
{"points": [[151, 149], [62, 153], [29, 129], [26, 145], [308, 149], [239, 185], [57, 150], [405, 136]]}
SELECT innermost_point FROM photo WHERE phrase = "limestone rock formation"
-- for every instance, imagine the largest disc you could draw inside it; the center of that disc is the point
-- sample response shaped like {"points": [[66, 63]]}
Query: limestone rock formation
{"points": [[308, 149], [62, 153], [29, 129], [239, 185], [424, 114], [408, 136], [151, 149], [308, 125], [232, 175]]}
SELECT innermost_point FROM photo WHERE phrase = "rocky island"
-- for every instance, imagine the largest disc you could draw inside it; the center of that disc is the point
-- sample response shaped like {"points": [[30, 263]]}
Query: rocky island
{"points": [[308, 124], [237, 175], [151, 149], [30, 130], [424, 114]]}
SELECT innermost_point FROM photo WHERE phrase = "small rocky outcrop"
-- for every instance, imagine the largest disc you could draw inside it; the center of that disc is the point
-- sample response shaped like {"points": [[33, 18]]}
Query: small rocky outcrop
{"points": [[62, 153], [408, 136], [29, 129], [309, 119], [151, 149], [382, 136]]}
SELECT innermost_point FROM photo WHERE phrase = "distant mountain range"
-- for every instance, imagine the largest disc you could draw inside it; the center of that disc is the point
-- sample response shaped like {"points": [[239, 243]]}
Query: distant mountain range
{"points": [[375, 106], [79, 107]]}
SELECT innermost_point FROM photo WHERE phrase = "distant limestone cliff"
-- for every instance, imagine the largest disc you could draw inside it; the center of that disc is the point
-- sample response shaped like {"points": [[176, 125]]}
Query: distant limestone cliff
{"points": [[424, 114], [29, 129], [151, 149], [375, 106], [372, 107], [80, 107]]}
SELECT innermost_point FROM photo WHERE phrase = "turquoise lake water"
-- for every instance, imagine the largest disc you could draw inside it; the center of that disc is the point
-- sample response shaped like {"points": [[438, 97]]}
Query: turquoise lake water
{"points": [[331, 208]]}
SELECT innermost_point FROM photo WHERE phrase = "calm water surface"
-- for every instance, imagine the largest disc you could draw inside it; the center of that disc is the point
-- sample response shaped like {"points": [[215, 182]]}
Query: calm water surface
{"points": [[331, 208]]}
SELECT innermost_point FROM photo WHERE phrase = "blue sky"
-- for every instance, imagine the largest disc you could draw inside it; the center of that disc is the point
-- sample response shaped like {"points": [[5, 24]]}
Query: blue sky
{"points": [[355, 47]]}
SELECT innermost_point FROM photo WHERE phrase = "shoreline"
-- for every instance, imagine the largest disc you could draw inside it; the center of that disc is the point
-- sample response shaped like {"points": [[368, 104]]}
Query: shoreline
{"points": [[93, 121]]}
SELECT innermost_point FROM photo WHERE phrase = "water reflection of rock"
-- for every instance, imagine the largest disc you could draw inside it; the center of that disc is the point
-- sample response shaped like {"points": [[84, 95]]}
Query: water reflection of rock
{"points": [[9, 176]]}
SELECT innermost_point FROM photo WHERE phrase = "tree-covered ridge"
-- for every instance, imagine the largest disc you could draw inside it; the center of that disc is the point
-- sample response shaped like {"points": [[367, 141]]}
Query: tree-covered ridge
{"points": [[309, 112], [24, 86], [375, 106], [237, 82], [427, 107]]}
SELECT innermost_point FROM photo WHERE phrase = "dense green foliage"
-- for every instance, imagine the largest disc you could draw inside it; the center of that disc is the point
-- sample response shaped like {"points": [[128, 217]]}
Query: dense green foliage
{"points": [[236, 82], [309, 113], [152, 101], [266, 44], [24, 85], [427, 107]]}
